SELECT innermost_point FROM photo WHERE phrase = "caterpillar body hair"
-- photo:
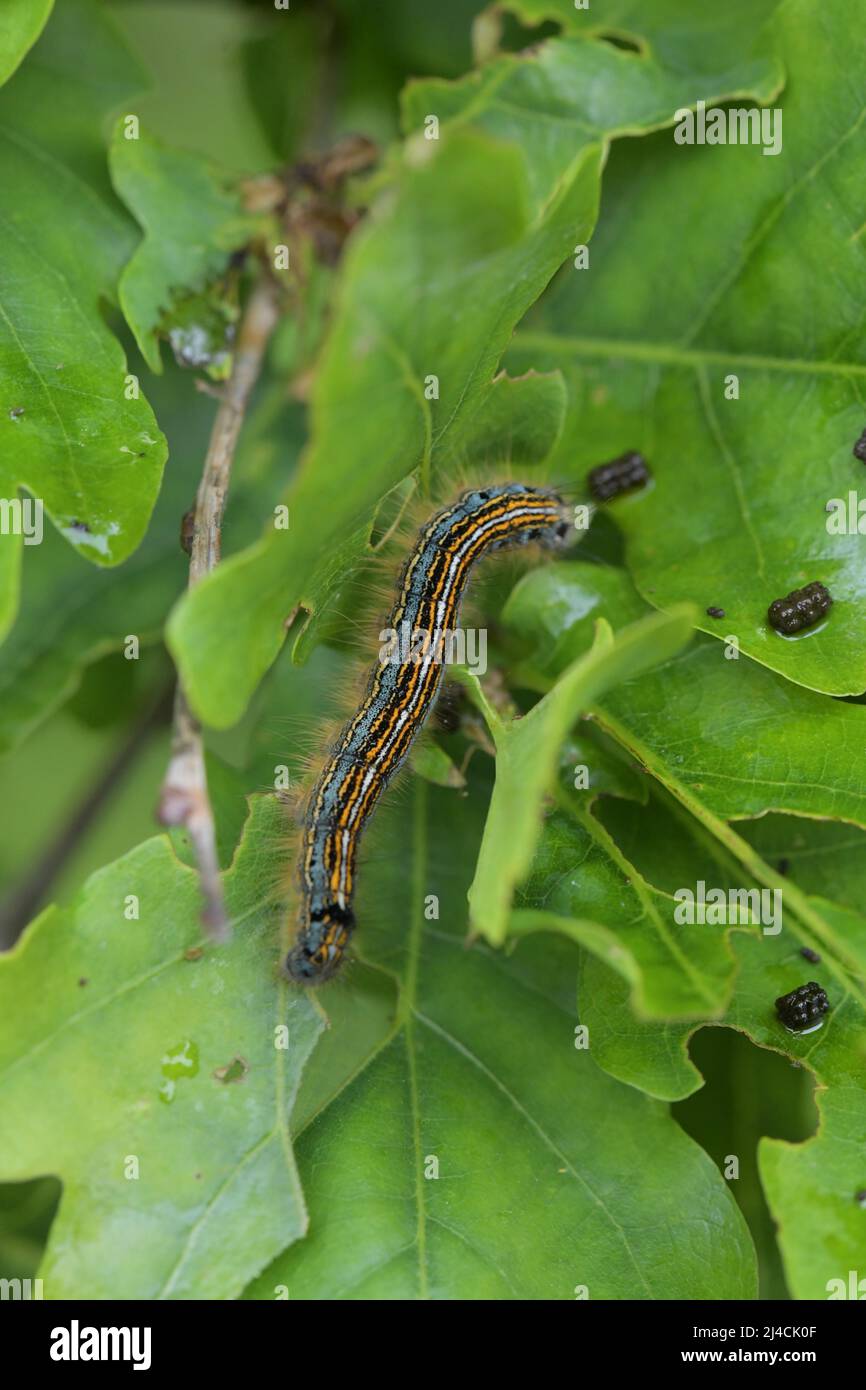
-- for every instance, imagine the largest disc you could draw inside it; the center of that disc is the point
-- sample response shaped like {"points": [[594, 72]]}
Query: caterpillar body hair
{"points": [[399, 695]]}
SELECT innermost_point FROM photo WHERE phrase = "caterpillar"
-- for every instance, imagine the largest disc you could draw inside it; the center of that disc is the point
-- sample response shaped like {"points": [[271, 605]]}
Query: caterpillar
{"points": [[399, 695], [618, 475], [801, 608]]}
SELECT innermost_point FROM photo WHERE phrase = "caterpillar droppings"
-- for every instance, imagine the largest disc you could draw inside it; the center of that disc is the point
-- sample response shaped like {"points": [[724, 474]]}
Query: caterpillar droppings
{"points": [[618, 475], [801, 608], [399, 696], [802, 1009]]}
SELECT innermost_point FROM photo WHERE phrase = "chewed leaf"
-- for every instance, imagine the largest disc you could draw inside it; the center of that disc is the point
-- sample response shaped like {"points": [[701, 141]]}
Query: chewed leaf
{"points": [[177, 284], [736, 368], [677, 719], [482, 1102], [196, 1174], [527, 754], [784, 747], [510, 186], [76, 431]]}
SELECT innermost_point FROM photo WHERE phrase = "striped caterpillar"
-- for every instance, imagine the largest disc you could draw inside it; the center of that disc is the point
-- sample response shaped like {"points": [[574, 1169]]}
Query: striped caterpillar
{"points": [[398, 698]]}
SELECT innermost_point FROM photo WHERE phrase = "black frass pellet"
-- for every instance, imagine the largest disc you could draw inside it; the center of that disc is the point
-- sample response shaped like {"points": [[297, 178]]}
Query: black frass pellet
{"points": [[803, 1006], [800, 608], [618, 475]]}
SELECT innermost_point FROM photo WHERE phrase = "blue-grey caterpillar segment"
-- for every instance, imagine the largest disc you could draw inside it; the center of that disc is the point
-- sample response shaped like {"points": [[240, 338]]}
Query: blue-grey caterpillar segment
{"points": [[399, 696]]}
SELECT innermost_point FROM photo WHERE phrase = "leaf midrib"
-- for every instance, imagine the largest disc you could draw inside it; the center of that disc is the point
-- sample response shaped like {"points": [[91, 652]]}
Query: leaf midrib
{"points": [[644, 350]]}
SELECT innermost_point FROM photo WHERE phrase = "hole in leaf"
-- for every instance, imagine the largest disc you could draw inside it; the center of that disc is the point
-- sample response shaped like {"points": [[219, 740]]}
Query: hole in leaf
{"points": [[235, 1070], [750, 1093], [625, 42], [518, 38], [27, 1210]]}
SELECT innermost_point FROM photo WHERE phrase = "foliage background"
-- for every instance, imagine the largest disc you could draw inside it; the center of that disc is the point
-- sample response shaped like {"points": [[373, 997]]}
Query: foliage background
{"points": [[558, 1167]]}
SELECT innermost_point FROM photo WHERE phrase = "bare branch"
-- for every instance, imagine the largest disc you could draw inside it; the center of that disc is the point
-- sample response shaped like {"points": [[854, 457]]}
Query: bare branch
{"points": [[184, 797]]}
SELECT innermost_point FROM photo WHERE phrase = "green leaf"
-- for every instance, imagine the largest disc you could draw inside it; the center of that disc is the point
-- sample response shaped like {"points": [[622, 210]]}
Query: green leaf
{"points": [[737, 513], [822, 1176], [435, 1054], [826, 858], [784, 748], [571, 91], [665, 851], [629, 1013], [527, 754], [608, 772], [518, 420], [500, 216], [583, 886], [820, 1235], [429, 760], [71, 616], [193, 220], [749, 1093], [71, 436], [706, 38], [675, 720], [196, 51], [481, 1062], [448, 1074], [604, 874], [194, 1172], [369, 404], [291, 44], [21, 23], [812, 1187], [69, 619]]}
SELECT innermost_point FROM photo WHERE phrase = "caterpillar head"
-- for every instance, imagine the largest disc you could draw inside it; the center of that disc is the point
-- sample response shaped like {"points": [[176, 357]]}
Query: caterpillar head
{"points": [[320, 947], [561, 535], [539, 514]]}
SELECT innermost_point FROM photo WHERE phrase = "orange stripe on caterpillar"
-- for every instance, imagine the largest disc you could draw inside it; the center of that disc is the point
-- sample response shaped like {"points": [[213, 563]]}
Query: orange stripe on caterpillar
{"points": [[400, 693]]}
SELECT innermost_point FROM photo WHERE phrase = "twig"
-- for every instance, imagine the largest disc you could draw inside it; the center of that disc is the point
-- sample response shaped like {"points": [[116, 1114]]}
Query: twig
{"points": [[184, 797], [257, 325]]}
